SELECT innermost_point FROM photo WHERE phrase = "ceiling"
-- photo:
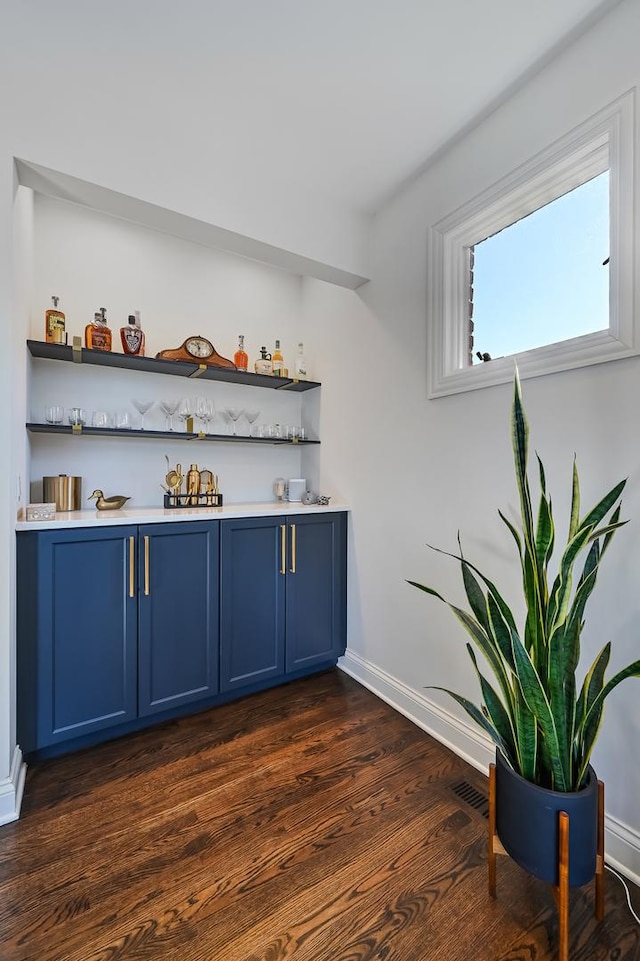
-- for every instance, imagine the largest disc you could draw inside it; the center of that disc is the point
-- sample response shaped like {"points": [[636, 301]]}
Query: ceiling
{"points": [[344, 98]]}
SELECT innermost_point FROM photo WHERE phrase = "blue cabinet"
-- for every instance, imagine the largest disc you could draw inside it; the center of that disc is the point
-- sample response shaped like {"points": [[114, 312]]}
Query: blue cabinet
{"points": [[251, 602], [316, 590], [77, 633], [283, 596], [113, 625], [120, 626], [178, 581]]}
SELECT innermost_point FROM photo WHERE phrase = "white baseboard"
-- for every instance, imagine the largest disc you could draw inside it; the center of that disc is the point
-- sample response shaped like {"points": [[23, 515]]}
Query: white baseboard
{"points": [[622, 843], [12, 788]]}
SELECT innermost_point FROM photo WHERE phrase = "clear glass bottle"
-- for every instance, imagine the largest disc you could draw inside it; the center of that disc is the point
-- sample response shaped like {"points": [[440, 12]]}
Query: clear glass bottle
{"points": [[132, 336], [54, 323], [264, 365], [301, 372], [278, 361], [241, 358], [97, 335]]}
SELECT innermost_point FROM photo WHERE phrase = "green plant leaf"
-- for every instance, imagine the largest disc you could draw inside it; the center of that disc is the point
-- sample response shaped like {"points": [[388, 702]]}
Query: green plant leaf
{"points": [[537, 701], [498, 714], [593, 716], [574, 518], [474, 712]]}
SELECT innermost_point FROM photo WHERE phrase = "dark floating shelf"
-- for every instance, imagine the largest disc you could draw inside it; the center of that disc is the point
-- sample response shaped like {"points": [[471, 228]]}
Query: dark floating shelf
{"points": [[165, 434], [155, 365]]}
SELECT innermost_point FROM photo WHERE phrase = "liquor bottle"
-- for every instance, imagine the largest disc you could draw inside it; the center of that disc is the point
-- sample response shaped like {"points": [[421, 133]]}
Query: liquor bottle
{"points": [[241, 358], [132, 336], [278, 361], [54, 321], [301, 372], [264, 365], [97, 335]]}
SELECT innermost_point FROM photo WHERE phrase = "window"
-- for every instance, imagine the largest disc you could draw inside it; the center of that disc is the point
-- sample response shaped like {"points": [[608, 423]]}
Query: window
{"points": [[540, 266]]}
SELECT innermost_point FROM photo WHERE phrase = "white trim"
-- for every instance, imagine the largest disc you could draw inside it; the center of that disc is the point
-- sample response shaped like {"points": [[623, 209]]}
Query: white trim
{"points": [[622, 843], [12, 788], [604, 141]]}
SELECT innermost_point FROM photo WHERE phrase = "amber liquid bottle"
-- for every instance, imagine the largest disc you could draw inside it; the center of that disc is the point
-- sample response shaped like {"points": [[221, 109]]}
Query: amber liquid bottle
{"points": [[97, 335], [54, 321], [241, 358], [278, 361]]}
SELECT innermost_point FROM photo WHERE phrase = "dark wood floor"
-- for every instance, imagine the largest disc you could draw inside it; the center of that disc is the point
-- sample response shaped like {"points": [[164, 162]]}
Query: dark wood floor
{"points": [[308, 822]]}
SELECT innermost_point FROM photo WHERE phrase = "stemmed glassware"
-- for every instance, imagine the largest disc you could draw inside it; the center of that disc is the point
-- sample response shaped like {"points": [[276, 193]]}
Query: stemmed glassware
{"points": [[142, 406], [169, 407], [234, 413], [185, 410], [252, 416], [205, 411]]}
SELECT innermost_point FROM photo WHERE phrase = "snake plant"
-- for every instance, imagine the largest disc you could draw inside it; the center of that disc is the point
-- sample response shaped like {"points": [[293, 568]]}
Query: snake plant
{"points": [[544, 725]]}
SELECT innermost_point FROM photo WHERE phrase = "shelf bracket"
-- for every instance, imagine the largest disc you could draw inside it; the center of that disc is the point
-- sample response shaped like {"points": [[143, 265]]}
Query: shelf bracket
{"points": [[76, 350], [199, 372]]}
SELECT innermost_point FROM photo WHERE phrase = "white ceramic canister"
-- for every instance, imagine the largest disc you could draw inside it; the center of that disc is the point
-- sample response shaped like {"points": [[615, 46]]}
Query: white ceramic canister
{"points": [[296, 486]]}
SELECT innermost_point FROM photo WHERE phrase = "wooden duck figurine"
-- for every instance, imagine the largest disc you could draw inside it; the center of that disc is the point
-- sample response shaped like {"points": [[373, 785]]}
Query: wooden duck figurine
{"points": [[103, 503]]}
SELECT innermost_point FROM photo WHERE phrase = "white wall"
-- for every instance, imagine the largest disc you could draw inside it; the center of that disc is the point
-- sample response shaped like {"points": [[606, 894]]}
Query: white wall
{"points": [[416, 471], [92, 260]]}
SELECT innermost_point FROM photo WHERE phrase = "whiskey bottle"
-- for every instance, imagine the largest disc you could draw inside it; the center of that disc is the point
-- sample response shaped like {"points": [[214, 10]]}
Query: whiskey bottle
{"points": [[97, 335], [278, 361], [241, 358], [132, 336], [54, 321]]}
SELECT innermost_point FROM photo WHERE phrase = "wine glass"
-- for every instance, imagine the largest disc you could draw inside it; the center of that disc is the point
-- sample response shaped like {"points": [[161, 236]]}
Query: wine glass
{"points": [[234, 413], [205, 411], [169, 407], [142, 406], [185, 410], [252, 416]]}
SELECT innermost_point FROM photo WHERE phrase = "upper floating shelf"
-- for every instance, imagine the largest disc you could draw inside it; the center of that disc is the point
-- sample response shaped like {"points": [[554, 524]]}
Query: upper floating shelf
{"points": [[154, 365]]}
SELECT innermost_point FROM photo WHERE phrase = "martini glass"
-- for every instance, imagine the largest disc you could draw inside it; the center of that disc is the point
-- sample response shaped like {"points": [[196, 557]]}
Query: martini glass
{"points": [[234, 413], [169, 407], [142, 406], [252, 416]]}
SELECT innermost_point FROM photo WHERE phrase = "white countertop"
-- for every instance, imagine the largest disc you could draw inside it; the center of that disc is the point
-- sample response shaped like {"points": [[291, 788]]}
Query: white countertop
{"points": [[157, 515]]}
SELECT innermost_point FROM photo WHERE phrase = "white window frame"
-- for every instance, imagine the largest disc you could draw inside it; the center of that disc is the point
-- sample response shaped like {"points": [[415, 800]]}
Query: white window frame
{"points": [[605, 141]]}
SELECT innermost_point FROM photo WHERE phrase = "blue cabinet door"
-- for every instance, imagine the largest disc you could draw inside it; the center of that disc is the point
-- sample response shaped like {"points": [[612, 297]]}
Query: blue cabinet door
{"points": [[77, 624], [251, 601], [178, 586], [316, 589]]}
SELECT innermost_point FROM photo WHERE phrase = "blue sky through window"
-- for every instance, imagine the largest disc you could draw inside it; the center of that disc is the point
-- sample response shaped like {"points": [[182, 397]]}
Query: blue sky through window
{"points": [[541, 280]]}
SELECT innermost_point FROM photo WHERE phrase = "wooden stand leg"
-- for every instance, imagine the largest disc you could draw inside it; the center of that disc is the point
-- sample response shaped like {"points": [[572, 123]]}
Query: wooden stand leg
{"points": [[600, 855], [561, 892], [492, 830]]}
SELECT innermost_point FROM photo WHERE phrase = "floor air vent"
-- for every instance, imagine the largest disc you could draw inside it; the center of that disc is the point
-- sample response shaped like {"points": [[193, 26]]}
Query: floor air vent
{"points": [[475, 799]]}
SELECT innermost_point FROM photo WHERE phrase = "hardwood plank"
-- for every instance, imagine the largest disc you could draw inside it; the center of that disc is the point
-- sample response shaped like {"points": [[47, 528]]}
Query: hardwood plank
{"points": [[308, 822]]}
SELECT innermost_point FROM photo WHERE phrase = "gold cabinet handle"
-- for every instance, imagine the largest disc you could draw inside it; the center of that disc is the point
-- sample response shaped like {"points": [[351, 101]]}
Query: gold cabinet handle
{"points": [[292, 569], [146, 565], [132, 567], [283, 548]]}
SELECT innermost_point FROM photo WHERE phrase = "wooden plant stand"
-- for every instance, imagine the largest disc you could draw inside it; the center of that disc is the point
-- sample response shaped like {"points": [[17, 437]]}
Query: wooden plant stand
{"points": [[560, 890]]}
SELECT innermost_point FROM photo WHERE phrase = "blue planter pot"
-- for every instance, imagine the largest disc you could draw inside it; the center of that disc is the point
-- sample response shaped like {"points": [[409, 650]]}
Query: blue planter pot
{"points": [[527, 825]]}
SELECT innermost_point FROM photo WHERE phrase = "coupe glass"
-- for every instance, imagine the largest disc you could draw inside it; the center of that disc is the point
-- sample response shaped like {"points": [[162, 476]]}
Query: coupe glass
{"points": [[142, 406], [168, 408], [252, 416], [234, 413]]}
